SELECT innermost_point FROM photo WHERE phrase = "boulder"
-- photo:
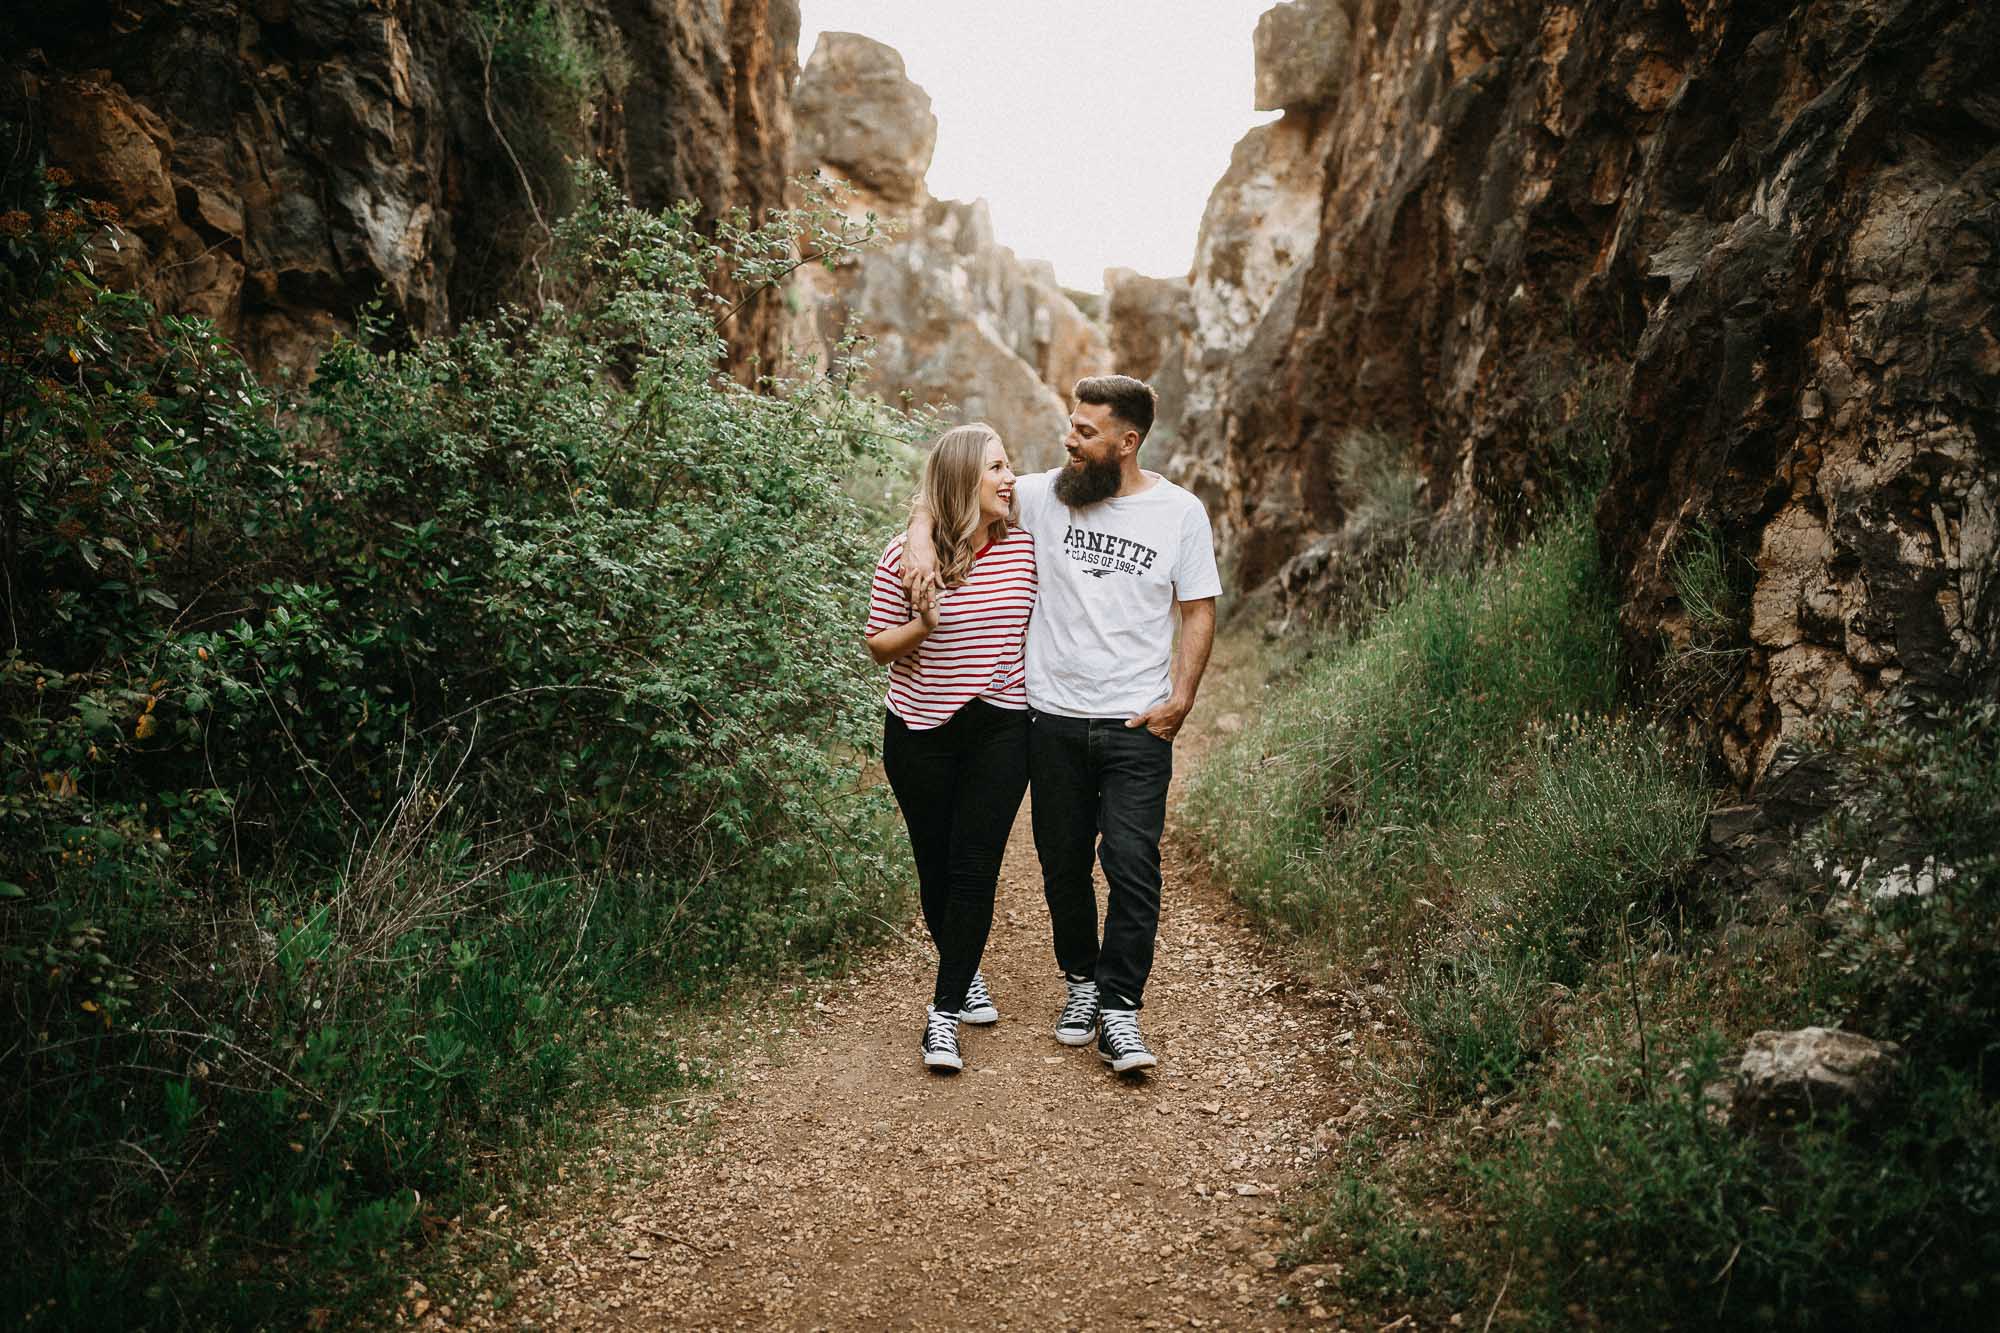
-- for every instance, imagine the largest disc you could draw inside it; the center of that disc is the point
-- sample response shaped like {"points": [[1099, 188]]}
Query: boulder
{"points": [[1814, 1070], [1301, 54], [859, 115]]}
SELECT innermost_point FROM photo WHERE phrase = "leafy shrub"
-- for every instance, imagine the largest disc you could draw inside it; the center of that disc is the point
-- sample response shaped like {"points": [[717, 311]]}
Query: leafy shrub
{"points": [[1639, 1206], [1913, 870], [366, 749]]}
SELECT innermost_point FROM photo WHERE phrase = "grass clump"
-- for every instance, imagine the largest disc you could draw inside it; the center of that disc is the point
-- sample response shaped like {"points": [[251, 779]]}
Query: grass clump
{"points": [[1337, 813]]}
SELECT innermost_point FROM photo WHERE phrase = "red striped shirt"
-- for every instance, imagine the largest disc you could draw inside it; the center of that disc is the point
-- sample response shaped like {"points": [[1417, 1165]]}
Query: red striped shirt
{"points": [[976, 650]]}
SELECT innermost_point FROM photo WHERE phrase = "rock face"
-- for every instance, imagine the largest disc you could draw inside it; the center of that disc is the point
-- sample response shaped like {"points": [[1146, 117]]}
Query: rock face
{"points": [[1151, 321], [957, 321], [1768, 228], [860, 115], [278, 165], [1257, 231]]}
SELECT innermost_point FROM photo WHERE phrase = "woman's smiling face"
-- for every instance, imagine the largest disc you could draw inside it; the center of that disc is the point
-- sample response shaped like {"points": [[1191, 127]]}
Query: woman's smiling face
{"points": [[996, 485]]}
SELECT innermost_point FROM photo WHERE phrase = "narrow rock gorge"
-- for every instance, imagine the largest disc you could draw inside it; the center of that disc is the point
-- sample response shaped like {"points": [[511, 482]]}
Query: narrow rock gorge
{"points": [[1760, 239]]}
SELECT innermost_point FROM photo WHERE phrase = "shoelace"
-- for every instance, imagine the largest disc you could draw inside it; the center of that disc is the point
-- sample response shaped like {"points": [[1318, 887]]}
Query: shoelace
{"points": [[1082, 1003], [941, 1031], [1121, 1031], [976, 995]]}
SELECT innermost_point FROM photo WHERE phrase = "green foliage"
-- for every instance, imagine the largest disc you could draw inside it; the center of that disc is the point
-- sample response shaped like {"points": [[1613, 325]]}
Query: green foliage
{"points": [[539, 75], [1699, 570], [1387, 1252], [368, 749], [1639, 1206], [1601, 822], [1700, 664], [1447, 801], [1339, 812], [1913, 870]]}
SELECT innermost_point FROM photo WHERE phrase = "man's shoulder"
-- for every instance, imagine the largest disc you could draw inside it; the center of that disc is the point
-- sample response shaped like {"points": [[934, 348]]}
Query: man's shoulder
{"points": [[1170, 495]]}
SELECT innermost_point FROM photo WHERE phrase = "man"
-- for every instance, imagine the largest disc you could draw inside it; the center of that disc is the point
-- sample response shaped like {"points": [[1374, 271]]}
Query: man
{"points": [[1118, 550]]}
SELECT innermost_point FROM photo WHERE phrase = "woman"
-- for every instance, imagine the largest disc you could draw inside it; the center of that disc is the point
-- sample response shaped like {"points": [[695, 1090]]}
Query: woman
{"points": [[955, 742]]}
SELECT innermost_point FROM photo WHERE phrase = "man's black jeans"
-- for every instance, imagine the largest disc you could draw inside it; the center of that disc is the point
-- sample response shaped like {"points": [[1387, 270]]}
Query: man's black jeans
{"points": [[1101, 788], [960, 786]]}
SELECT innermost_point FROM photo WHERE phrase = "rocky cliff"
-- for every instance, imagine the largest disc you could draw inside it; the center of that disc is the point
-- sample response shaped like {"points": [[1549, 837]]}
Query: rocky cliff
{"points": [[1770, 229], [957, 321], [280, 163], [1257, 233]]}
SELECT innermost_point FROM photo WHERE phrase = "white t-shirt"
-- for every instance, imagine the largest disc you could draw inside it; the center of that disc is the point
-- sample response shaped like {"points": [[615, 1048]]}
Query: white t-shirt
{"points": [[1102, 636]]}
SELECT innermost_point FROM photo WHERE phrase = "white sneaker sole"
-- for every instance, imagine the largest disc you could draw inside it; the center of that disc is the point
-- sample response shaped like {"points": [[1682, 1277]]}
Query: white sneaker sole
{"points": [[943, 1060], [1077, 1038], [1125, 1064], [981, 1016]]}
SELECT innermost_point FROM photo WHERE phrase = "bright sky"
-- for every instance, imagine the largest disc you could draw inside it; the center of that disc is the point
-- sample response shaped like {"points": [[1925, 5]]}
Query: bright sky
{"points": [[1093, 128]]}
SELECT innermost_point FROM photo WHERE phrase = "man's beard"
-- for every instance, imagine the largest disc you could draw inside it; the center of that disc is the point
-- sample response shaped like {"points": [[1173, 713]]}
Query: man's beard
{"points": [[1086, 485]]}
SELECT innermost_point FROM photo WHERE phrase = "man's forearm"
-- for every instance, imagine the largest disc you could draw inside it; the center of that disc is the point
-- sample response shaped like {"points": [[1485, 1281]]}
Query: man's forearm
{"points": [[1191, 653]]}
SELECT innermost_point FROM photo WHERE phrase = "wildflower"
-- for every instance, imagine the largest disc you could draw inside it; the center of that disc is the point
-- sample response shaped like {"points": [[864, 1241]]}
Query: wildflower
{"points": [[14, 223], [57, 176]]}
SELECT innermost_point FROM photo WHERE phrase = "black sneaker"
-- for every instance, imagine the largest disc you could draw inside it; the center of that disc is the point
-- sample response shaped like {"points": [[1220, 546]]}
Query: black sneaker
{"points": [[978, 1003], [941, 1041], [1077, 1024], [1119, 1043]]}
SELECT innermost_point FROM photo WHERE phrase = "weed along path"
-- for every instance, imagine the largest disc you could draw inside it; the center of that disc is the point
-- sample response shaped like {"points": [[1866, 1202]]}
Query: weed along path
{"points": [[828, 1182]]}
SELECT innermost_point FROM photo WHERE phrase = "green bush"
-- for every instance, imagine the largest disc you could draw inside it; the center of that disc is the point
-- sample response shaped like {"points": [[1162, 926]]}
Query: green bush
{"points": [[1912, 869], [1637, 1205], [368, 748]]}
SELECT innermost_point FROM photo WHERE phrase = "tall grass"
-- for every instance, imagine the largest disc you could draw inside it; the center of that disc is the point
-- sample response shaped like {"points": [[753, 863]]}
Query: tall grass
{"points": [[1452, 800], [1371, 789]]}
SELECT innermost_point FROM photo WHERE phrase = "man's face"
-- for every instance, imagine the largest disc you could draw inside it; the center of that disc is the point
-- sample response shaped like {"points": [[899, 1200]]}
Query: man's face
{"points": [[1094, 444]]}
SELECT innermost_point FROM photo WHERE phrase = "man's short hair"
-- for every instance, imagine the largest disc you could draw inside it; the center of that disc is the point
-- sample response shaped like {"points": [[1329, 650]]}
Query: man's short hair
{"points": [[1131, 401]]}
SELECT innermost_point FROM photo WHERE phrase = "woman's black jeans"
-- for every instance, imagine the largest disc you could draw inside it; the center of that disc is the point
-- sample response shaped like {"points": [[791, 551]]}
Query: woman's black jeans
{"points": [[960, 786]]}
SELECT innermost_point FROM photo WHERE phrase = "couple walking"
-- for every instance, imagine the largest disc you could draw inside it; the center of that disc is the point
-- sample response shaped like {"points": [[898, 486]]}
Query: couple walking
{"points": [[1028, 627]]}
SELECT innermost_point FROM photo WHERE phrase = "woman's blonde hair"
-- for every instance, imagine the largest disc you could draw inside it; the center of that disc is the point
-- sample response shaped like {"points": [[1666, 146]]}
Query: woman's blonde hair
{"points": [[950, 490]]}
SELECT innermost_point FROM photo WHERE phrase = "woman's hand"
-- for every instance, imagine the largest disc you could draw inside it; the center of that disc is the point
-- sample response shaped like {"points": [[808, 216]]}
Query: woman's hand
{"points": [[927, 608]]}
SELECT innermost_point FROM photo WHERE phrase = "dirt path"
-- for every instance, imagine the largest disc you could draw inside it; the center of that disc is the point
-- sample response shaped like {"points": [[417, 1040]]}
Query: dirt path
{"points": [[832, 1184]]}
